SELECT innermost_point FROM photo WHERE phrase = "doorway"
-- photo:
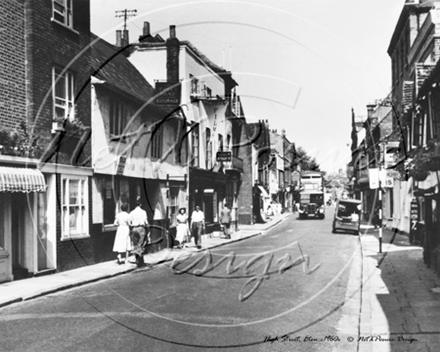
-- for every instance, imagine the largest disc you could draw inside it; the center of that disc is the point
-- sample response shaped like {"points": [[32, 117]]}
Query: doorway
{"points": [[18, 221]]}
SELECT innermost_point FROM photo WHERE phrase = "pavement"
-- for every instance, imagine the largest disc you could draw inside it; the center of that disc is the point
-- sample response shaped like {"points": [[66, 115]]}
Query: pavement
{"points": [[393, 300], [26, 289]]}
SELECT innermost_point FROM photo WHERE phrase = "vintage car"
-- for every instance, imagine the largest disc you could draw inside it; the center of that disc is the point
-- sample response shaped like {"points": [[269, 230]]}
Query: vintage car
{"points": [[347, 215]]}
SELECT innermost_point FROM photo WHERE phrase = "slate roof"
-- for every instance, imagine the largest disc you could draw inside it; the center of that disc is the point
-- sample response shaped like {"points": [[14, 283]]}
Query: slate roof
{"points": [[110, 65]]}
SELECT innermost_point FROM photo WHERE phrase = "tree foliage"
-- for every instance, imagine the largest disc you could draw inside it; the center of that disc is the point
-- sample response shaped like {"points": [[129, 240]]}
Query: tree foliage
{"points": [[305, 161]]}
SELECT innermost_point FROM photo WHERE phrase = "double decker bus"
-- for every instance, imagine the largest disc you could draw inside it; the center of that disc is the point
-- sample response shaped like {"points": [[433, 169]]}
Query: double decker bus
{"points": [[311, 195]]}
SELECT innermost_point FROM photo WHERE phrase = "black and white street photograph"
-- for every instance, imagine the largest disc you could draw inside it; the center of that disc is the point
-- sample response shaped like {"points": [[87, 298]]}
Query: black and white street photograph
{"points": [[219, 175]]}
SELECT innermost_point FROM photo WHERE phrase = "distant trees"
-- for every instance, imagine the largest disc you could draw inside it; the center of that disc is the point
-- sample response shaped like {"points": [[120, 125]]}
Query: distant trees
{"points": [[304, 161]]}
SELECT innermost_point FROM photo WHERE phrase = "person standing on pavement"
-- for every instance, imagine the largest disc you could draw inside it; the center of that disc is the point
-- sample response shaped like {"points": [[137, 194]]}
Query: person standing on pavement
{"points": [[182, 227], [122, 239], [197, 226], [225, 221], [139, 231]]}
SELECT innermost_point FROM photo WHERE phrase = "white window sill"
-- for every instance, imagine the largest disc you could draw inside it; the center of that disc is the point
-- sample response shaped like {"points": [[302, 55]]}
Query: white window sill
{"points": [[75, 237], [63, 25]]}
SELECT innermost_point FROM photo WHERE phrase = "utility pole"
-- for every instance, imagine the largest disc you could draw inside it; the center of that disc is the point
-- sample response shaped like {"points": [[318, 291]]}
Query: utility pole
{"points": [[380, 196]]}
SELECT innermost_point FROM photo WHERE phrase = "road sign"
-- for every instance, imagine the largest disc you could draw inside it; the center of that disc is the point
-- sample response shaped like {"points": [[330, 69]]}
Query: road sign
{"points": [[224, 156]]}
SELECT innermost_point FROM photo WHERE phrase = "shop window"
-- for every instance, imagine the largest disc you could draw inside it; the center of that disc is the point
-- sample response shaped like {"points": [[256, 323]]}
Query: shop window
{"points": [[75, 207], [63, 94], [118, 118], [115, 193], [62, 12]]}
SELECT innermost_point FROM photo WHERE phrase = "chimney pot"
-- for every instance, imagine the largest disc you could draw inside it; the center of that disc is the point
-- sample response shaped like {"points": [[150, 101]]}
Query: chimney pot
{"points": [[118, 38], [172, 31], [146, 30]]}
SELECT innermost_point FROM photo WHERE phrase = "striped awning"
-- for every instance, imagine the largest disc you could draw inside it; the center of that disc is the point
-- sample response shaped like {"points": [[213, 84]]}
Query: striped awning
{"points": [[14, 179]]}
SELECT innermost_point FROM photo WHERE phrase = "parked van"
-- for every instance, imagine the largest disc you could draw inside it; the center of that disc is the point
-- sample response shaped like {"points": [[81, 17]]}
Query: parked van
{"points": [[347, 215]]}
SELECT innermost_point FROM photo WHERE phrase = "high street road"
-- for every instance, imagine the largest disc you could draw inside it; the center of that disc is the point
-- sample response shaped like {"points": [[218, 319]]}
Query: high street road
{"points": [[281, 291]]}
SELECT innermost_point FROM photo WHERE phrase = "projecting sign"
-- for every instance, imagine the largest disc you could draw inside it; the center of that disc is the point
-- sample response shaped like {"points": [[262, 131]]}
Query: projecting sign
{"points": [[167, 93], [383, 176], [224, 156]]}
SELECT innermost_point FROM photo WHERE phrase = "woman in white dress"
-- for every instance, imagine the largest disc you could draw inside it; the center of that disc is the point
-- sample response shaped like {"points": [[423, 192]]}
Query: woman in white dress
{"points": [[122, 239], [182, 227]]}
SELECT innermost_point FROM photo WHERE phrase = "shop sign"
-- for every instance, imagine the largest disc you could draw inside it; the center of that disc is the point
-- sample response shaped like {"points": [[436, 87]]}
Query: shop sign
{"points": [[414, 210], [167, 93], [224, 156]]}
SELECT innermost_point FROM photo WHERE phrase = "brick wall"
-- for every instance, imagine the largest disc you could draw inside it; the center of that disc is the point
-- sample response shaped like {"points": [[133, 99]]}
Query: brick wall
{"points": [[245, 192], [50, 44], [12, 63]]}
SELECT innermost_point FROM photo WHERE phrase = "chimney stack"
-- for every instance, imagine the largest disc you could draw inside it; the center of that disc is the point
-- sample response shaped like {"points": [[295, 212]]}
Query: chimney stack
{"points": [[172, 31], [283, 132], [125, 40], [173, 50], [370, 109], [146, 30]]}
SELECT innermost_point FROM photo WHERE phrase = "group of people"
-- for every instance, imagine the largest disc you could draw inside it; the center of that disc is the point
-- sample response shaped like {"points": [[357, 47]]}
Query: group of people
{"points": [[133, 233], [186, 231]]}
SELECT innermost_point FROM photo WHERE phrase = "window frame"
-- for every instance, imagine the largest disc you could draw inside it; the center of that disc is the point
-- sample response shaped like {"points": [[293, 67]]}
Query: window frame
{"points": [[83, 198], [157, 143], [69, 93], [64, 18], [118, 112], [195, 140]]}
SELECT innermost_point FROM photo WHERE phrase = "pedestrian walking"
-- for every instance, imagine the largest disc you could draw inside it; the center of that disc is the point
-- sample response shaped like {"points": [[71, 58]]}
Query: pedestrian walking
{"points": [[182, 227], [122, 242], [225, 221], [139, 231], [197, 226]]}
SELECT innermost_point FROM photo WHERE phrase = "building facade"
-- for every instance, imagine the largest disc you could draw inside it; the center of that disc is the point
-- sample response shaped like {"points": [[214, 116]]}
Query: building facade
{"points": [[204, 99], [46, 159]]}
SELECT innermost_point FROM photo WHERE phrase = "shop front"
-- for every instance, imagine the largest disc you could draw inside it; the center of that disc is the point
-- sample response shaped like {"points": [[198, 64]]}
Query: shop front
{"points": [[208, 189], [27, 234]]}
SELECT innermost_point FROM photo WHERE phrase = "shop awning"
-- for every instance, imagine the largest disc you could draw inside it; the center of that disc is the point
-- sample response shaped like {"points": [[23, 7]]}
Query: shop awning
{"points": [[14, 179], [263, 192]]}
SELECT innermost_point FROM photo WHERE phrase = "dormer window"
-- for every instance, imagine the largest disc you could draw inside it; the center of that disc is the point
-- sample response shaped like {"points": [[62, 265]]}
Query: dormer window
{"points": [[62, 12]]}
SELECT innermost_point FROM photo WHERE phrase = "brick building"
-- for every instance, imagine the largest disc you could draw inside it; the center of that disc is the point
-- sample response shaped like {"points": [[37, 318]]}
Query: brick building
{"points": [[44, 119]]}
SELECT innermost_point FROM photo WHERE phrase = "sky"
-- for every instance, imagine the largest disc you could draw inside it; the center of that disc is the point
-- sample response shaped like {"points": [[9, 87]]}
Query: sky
{"points": [[300, 64]]}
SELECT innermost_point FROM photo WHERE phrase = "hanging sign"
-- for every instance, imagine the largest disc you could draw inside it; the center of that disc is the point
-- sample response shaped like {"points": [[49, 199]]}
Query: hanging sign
{"points": [[414, 210]]}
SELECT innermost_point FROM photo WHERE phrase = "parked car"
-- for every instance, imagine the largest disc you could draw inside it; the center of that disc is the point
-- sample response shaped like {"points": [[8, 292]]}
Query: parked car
{"points": [[347, 215]]}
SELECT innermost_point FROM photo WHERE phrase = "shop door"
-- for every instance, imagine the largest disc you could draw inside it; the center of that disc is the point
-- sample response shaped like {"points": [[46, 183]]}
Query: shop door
{"points": [[18, 216]]}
